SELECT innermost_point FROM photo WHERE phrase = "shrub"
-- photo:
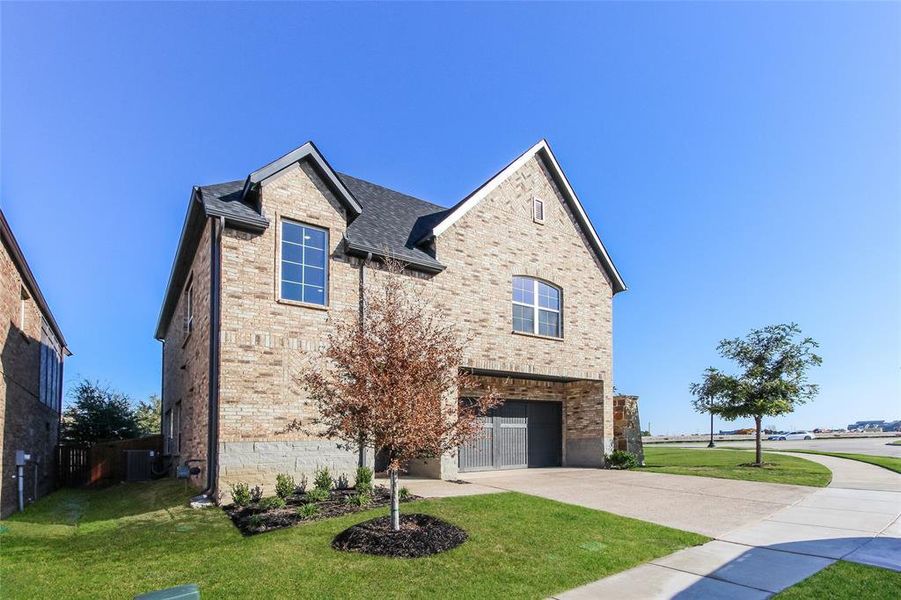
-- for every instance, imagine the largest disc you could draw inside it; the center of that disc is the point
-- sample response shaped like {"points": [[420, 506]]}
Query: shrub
{"points": [[317, 495], [307, 511], [256, 521], [363, 483], [341, 482], [284, 485], [359, 499], [302, 486], [240, 494], [272, 502], [403, 494], [620, 459], [256, 494], [322, 480]]}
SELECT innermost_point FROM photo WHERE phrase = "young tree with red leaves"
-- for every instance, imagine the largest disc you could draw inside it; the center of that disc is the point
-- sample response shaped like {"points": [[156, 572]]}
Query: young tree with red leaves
{"points": [[391, 378]]}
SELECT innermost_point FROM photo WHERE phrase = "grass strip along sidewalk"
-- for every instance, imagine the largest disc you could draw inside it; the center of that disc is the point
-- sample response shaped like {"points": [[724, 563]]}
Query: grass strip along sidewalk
{"points": [[735, 464], [847, 580], [886, 462]]}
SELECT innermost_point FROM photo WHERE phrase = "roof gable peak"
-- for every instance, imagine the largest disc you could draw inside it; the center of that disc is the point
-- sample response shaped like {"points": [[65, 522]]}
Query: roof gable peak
{"points": [[542, 149]]}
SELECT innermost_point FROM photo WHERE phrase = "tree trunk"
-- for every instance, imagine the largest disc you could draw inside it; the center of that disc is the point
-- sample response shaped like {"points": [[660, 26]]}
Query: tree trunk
{"points": [[758, 455], [361, 459], [395, 502]]}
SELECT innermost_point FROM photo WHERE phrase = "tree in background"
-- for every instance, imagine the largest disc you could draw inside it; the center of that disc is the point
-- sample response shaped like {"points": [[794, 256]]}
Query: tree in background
{"points": [[772, 382], [390, 373], [98, 413], [148, 415], [705, 398]]}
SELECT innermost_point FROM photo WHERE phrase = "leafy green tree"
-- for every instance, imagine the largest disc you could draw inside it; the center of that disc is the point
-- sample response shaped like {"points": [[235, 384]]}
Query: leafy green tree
{"points": [[98, 413], [147, 415], [772, 381]]}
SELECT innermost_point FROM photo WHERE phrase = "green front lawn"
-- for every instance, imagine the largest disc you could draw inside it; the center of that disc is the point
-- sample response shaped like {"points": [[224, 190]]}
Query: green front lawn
{"points": [[731, 464], [132, 538], [886, 462], [847, 580]]}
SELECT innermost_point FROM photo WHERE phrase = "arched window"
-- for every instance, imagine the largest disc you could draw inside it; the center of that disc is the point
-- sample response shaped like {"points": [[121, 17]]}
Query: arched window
{"points": [[537, 307]]}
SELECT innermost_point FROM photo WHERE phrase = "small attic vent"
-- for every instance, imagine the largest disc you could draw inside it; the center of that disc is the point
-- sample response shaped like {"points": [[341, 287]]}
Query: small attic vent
{"points": [[538, 210]]}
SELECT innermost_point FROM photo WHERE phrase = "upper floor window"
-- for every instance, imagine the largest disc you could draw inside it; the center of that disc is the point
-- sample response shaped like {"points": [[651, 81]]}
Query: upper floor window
{"points": [[538, 210], [23, 308], [189, 306], [304, 276], [50, 391], [537, 307]]}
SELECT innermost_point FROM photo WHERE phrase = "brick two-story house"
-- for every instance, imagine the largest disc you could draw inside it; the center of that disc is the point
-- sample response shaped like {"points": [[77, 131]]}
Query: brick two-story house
{"points": [[264, 261], [31, 385]]}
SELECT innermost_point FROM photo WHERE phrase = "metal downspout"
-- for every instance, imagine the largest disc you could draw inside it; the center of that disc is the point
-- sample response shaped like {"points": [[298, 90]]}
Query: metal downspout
{"points": [[361, 458], [212, 467]]}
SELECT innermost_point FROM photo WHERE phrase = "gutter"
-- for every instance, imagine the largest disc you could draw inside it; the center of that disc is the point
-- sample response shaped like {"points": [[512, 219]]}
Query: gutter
{"points": [[364, 250]]}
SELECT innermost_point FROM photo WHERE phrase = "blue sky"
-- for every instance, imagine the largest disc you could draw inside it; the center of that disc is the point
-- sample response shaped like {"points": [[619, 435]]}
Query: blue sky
{"points": [[741, 161]]}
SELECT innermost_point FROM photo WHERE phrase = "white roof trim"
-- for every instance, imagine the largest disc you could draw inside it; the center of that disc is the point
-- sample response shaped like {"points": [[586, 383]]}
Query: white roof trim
{"points": [[308, 150], [486, 189], [542, 146]]}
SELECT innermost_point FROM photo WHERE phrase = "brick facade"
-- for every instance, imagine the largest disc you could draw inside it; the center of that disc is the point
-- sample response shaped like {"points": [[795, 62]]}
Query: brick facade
{"points": [[266, 343], [25, 422], [186, 368]]}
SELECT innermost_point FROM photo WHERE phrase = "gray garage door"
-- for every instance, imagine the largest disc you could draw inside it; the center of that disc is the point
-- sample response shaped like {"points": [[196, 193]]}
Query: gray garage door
{"points": [[516, 435]]}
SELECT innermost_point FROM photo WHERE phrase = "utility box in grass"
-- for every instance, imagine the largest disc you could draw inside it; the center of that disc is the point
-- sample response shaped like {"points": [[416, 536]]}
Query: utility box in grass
{"points": [[181, 592]]}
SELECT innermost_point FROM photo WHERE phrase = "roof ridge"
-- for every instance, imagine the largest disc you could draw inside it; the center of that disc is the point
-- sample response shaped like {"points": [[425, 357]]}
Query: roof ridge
{"points": [[392, 190]]}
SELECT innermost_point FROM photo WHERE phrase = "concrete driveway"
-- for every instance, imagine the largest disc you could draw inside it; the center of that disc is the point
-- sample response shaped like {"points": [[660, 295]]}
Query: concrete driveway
{"points": [[701, 504]]}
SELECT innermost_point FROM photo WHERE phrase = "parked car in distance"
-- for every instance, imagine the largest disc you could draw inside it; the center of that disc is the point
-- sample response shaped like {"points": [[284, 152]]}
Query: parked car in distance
{"points": [[797, 435]]}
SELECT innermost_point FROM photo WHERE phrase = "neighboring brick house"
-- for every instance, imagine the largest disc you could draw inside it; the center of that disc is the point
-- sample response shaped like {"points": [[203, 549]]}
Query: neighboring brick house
{"points": [[31, 387], [263, 262]]}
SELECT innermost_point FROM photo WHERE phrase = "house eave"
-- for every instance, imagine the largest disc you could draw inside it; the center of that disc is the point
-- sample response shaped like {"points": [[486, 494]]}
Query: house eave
{"points": [[363, 250]]}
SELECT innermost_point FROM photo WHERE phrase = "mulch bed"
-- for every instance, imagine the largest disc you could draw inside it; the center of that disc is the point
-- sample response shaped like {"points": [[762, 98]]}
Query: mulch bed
{"points": [[251, 520], [419, 535]]}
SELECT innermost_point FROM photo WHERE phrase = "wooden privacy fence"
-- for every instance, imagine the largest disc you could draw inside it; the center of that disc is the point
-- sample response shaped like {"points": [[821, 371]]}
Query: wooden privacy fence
{"points": [[73, 465], [105, 462]]}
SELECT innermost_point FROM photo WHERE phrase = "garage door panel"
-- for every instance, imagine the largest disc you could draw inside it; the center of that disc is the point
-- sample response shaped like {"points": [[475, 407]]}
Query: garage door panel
{"points": [[545, 434], [517, 434], [478, 453]]}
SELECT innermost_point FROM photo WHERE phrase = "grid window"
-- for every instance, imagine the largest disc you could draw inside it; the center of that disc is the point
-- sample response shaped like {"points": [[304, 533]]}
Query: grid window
{"points": [[51, 374], [304, 276], [537, 307]]}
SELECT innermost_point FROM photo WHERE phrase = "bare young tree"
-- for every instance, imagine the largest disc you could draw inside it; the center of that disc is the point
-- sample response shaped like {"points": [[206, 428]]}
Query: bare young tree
{"points": [[391, 377]]}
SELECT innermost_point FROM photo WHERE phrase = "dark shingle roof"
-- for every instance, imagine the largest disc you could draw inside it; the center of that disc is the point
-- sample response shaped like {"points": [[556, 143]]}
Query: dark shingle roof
{"points": [[224, 199], [390, 222]]}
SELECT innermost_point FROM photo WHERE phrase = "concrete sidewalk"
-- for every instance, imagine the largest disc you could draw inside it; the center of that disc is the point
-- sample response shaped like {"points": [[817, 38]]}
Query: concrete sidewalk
{"points": [[856, 518]]}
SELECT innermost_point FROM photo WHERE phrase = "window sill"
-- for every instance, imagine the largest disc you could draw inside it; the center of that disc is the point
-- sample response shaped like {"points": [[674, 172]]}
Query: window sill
{"points": [[539, 336], [303, 304]]}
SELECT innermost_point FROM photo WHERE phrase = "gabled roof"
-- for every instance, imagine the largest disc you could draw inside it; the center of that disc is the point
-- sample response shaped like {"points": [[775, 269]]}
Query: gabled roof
{"points": [[306, 151], [18, 258], [543, 150], [381, 221]]}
